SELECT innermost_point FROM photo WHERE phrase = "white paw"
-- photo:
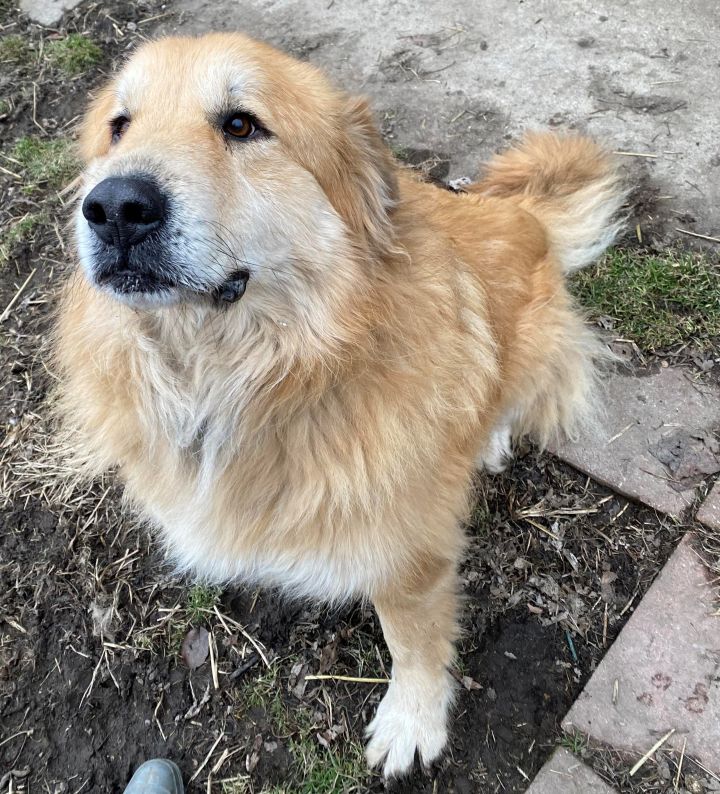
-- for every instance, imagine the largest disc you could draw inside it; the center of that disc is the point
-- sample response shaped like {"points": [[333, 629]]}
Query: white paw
{"points": [[411, 717], [498, 453]]}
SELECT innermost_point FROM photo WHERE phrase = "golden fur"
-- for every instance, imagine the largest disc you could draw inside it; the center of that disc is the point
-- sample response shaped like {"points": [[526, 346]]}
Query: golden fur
{"points": [[321, 433]]}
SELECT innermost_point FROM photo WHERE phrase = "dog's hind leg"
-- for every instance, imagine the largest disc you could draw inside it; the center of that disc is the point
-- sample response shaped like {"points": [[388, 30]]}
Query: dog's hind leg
{"points": [[419, 624]]}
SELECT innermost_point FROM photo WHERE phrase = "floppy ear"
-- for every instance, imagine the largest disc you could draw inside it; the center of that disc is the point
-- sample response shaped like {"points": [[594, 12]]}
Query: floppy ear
{"points": [[94, 137], [362, 187]]}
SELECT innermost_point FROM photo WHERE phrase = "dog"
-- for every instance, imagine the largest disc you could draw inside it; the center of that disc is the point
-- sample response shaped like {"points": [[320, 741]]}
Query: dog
{"points": [[295, 351]]}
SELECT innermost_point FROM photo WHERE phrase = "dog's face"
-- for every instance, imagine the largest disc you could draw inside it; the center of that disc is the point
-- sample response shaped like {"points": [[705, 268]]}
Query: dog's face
{"points": [[216, 167]]}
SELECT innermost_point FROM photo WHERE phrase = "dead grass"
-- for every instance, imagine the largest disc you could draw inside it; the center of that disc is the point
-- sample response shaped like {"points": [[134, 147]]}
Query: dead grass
{"points": [[666, 770], [659, 301]]}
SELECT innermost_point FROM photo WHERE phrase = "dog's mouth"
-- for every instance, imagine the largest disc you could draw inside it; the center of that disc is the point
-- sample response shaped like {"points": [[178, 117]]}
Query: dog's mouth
{"points": [[146, 283], [233, 288], [133, 281]]}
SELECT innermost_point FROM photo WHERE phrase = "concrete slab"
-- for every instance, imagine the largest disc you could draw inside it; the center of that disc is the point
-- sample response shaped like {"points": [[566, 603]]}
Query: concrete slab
{"points": [[564, 773], [709, 512], [464, 77], [663, 671], [657, 441], [47, 12]]}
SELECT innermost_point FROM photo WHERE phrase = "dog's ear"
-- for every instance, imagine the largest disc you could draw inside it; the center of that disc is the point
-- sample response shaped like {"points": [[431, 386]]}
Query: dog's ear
{"points": [[362, 186], [95, 135]]}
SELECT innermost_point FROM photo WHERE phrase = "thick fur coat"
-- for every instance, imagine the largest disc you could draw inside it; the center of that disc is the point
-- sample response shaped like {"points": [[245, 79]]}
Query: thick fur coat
{"points": [[320, 434]]}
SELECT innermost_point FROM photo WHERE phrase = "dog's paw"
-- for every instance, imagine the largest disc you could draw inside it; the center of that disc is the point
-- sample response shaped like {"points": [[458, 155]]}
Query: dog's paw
{"points": [[409, 718], [497, 455]]}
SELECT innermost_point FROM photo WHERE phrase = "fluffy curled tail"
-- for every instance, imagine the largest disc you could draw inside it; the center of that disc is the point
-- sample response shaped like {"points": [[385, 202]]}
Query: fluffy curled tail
{"points": [[571, 184]]}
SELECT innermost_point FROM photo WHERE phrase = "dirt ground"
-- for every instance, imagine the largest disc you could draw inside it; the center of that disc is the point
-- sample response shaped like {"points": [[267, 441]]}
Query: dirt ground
{"points": [[94, 677]]}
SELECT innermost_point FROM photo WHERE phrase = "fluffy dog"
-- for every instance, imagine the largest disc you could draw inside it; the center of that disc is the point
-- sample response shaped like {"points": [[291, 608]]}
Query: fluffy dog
{"points": [[295, 352]]}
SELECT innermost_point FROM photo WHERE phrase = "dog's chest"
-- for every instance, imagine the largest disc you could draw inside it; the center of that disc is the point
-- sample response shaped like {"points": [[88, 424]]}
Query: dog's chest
{"points": [[279, 508]]}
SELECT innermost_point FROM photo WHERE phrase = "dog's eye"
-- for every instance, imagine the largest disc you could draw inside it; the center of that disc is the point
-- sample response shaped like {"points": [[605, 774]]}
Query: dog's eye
{"points": [[118, 127], [240, 125]]}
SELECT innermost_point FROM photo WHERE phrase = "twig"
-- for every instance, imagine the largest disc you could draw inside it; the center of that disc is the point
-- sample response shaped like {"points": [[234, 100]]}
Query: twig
{"points": [[207, 758], [213, 661], [617, 435], [17, 295], [250, 639], [353, 679], [701, 236], [658, 744], [680, 765], [637, 154], [15, 735], [542, 528], [34, 112]]}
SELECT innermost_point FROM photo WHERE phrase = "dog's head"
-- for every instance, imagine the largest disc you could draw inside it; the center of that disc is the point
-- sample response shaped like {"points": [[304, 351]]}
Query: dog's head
{"points": [[218, 165]]}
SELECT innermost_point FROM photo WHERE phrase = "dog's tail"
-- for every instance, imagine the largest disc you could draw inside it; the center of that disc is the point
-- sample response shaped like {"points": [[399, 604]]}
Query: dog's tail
{"points": [[571, 184]]}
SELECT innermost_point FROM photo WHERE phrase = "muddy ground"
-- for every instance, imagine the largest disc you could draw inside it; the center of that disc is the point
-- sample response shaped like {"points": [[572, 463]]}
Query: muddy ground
{"points": [[93, 675]]}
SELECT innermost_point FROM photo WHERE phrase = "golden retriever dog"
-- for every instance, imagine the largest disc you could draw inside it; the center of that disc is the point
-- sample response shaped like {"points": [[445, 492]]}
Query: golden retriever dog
{"points": [[295, 352]]}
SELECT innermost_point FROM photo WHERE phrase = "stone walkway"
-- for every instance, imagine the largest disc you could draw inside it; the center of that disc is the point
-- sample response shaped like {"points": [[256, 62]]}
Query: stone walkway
{"points": [[657, 443]]}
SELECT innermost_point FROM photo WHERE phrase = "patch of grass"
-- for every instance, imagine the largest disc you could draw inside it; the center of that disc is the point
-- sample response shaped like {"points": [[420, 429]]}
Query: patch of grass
{"points": [[265, 692], [400, 152], [74, 54], [315, 769], [15, 49], [658, 300], [199, 602], [45, 162], [21, 231], [331, 771], [574, 742], [200, 599]]}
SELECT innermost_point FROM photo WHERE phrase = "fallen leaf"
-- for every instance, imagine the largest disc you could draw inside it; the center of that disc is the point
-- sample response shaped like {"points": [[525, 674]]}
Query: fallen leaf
{"points": [[470, 683], [195, 647]]}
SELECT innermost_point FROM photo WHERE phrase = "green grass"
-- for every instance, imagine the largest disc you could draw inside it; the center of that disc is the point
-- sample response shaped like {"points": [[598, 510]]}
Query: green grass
{"points": [[574, 742], [74, 54], [200, 599], [15, 50], [657, 300], [47, 162], [328, 771], [18, 232], [315, 769]]}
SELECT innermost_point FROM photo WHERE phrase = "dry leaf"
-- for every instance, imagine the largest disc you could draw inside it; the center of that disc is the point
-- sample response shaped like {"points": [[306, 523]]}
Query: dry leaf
{"points": [[195, 647]]}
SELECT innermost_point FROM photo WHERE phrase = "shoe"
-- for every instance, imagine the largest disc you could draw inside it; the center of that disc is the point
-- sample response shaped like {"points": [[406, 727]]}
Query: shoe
{"points": [[157, 776]]}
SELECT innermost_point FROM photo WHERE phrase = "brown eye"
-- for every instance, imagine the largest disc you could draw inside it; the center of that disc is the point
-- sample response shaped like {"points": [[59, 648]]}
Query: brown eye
{"points": [[118, 127], [240, 125]]}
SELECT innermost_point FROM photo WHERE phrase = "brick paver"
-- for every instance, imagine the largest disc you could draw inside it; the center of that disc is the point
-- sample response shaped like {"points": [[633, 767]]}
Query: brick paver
{"points": [[663, 671], [564, 773], [657, 440], [709, 512]]}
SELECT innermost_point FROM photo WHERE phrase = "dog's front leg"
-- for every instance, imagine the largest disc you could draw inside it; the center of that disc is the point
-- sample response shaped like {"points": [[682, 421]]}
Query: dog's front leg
{"points": [[419, 624]]}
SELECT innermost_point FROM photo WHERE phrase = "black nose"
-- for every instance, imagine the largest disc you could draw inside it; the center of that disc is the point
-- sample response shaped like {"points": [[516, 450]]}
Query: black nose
{"points": [[122, 211]]}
